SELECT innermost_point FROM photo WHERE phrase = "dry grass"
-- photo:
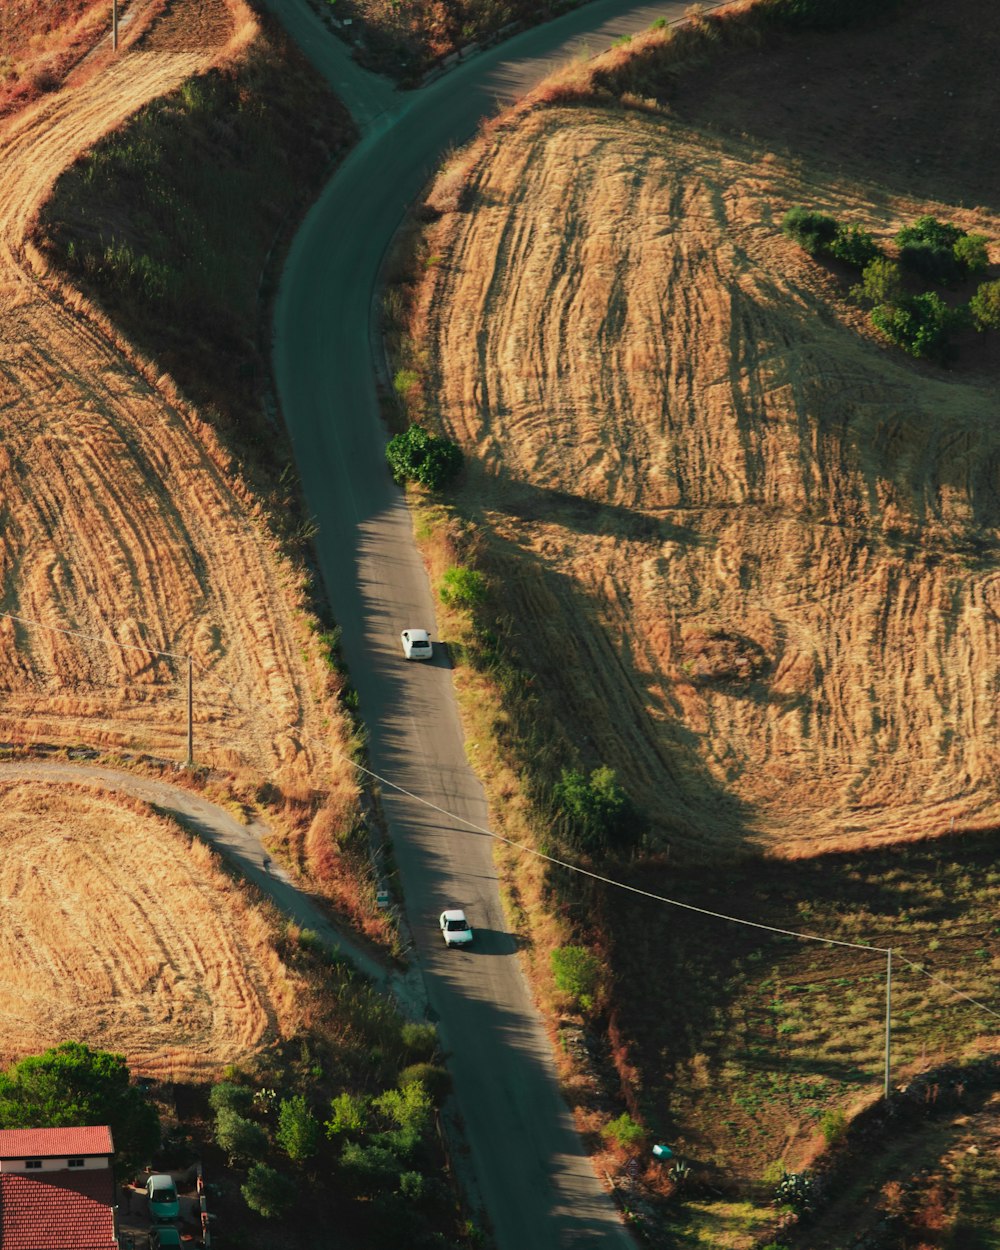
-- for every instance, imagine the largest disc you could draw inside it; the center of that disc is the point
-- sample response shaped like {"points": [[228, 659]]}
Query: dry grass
{"points": [[739, 538], [126, 517], [121, 931]]}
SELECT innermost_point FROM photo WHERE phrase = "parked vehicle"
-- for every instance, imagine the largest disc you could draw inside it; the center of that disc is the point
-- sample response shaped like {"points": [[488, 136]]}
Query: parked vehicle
{"points": [[162, 1194], [164, 1237]]}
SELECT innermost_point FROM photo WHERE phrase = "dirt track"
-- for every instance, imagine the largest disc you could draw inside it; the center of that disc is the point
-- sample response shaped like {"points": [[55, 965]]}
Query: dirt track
{"points": [[739, 538]]}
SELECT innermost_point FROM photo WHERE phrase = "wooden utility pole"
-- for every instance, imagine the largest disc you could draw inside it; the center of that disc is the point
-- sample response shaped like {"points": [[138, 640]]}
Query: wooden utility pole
{"points": [[114, 25], [888, 1016], [190, 754]]}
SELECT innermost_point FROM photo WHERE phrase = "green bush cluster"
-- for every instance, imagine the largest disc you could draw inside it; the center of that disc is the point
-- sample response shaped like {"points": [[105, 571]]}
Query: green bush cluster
{"points": [[462, 587], [625, 1133], [419, 456], [822, 235], [985, 306], [940, 252], [920, 324]]}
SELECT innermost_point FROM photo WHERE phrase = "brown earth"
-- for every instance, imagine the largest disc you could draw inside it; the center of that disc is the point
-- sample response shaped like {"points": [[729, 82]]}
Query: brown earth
{"points": [[118, 930], [123, 517], [750, 550]]}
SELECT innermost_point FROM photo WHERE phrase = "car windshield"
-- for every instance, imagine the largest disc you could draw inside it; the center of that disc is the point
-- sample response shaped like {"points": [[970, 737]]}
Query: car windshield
{"points": [[164, 1193]]}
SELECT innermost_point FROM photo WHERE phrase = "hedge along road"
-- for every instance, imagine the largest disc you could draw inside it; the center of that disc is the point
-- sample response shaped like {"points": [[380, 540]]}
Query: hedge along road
{"points": [[536, 1182]]}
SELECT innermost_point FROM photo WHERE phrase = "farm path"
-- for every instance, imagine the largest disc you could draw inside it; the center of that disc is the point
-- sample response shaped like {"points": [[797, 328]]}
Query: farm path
{"points": [[121, 515], [536, 1181], [241, 844]]}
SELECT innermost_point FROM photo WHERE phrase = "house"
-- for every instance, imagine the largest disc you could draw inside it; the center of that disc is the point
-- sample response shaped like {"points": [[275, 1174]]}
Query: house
{"points": [[57, 1190]]}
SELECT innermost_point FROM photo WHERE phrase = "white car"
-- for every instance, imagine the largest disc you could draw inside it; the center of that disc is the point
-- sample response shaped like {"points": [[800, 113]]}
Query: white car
{"points": [[455, 928], [416, 644]]}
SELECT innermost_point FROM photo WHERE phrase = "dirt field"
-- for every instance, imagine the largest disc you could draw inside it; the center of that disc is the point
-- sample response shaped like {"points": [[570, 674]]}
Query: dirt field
{"points": [[116, 929], [124, 518], [750, 551]]}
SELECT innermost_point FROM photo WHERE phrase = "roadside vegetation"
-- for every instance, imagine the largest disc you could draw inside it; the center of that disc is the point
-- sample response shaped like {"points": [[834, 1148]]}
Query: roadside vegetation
{"points": [[41, 40], [632, 695]]}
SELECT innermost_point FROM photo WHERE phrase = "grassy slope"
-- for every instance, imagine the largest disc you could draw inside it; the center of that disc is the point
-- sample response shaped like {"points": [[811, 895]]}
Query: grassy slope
{"points": [[734, 1049]]}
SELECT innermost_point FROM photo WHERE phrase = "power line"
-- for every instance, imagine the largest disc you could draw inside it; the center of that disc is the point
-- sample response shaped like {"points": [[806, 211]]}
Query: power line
{"points": [[78, 633]]}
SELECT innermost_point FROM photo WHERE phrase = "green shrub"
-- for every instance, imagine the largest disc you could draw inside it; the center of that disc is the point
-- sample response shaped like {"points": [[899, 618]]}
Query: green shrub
{"points": [[462, 587], [577, 973], [985, 306], [230, 1097], [881, 283], [625, 1133], [596, 813], [940, 252], [833, 1126], [812, 231], [920, 325], [238, 1137], [853, 246], [420, 1039], [970, 252], [405, 381], [348, 1114], [434, 1079], [418, 456], [298, 1129], [268, 1192]]}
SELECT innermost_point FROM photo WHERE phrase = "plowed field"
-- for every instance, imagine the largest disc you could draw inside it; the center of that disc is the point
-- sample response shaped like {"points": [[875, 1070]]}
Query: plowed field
{"points": [[122, 517], [117, 930], [751, 552]]}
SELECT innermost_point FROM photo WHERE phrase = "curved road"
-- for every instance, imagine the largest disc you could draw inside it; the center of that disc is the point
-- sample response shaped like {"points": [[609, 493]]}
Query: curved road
{"points": [[537, 1184]]}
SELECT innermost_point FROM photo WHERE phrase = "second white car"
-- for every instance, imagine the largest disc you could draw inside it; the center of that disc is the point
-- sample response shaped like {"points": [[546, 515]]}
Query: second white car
{"points": [[455, 928]]}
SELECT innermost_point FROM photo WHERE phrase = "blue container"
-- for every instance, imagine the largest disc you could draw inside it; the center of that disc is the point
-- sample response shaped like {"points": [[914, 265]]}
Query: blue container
{"points": [[663, 1152]]}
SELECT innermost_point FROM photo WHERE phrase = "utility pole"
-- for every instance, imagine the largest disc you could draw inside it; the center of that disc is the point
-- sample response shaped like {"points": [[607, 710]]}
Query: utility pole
{"points": [[190, 754], [114, 25], [888, 1016]]}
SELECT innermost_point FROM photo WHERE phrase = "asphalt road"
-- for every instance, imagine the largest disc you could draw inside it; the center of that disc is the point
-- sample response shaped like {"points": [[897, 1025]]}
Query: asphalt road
{"points": [[537, 1184]]}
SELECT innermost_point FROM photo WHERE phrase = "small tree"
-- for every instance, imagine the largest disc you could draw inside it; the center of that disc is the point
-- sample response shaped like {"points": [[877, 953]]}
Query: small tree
{"points": [[853, 246], [298, 1129], [238, 1137], [881, 283], [625, 1133], [418, 456], [985, 306], [597, 813], [971, 254], [920, 325], [577, 973], [268, 1192]]}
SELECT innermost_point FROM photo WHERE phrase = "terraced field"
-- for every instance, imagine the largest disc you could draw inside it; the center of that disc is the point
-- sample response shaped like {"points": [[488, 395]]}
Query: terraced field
{"points": [[119, 930], [747, 548]]}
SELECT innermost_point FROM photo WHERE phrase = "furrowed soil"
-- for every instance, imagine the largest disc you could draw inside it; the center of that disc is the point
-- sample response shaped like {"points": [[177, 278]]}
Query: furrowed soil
{"points": [[126, 517], [745, 554], [750, 551], [119, 930]]}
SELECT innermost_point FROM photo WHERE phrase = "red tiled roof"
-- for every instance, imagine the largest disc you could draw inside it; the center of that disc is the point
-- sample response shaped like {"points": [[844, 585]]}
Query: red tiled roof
{"points": [[50, 1143], [57, 1210]]}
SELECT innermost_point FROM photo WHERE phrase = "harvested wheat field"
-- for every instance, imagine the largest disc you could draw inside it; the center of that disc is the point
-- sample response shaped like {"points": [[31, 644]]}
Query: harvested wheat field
{"points": [[119, 930], [125, 519], [749, 550]]}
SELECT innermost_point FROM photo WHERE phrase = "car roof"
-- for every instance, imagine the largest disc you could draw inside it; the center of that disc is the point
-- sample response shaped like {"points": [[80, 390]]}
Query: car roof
{"points": [[454, 915], [417, 635]]}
